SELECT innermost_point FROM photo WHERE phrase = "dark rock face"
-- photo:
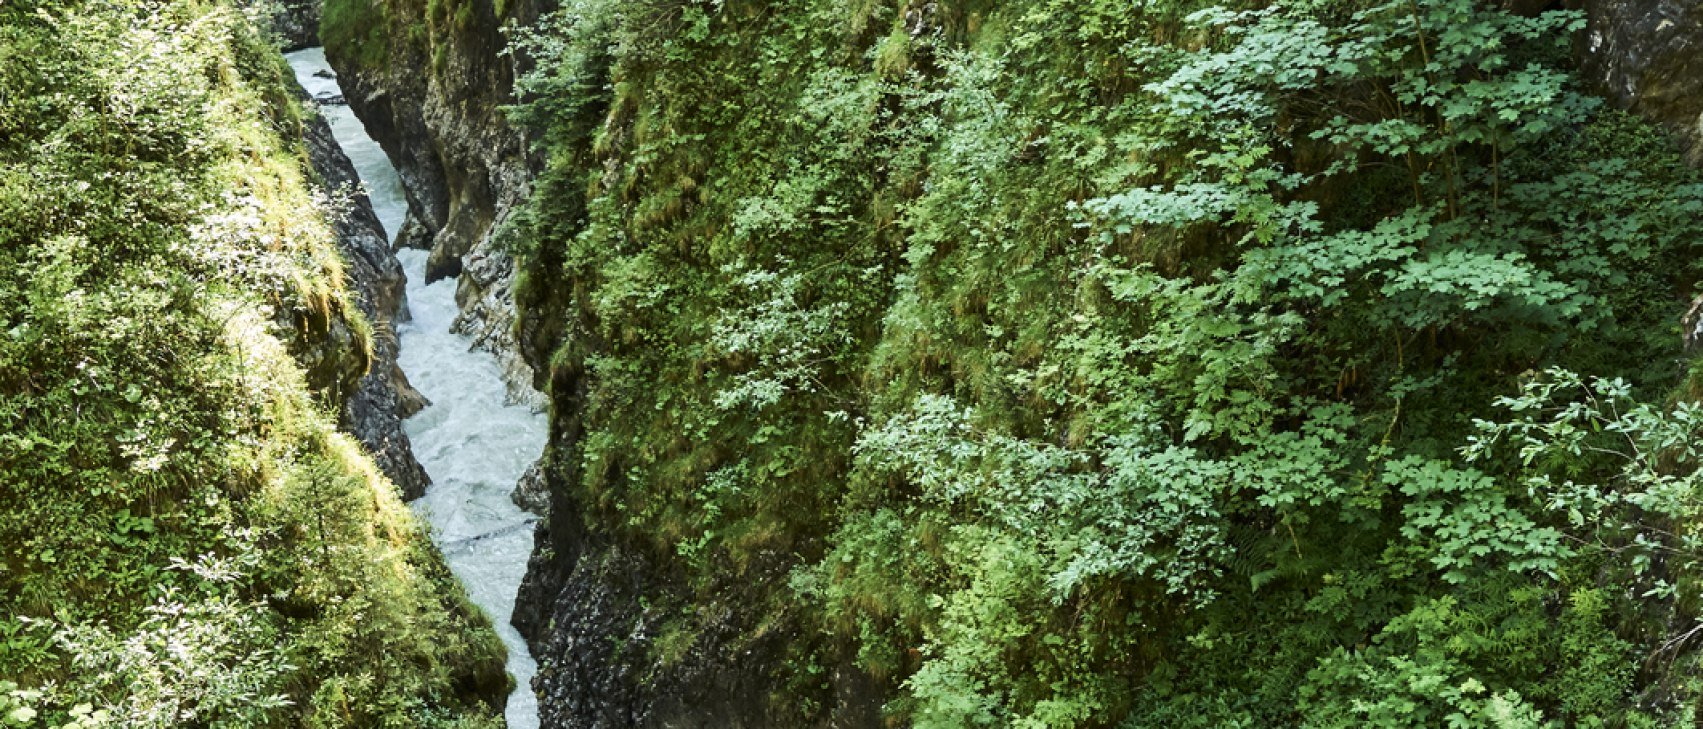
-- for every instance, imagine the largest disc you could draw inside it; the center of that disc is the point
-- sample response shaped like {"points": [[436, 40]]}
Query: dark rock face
{"points": [[615, 649], [297, 23], [434, 106], [532, 493], [622, 640], [1647, 56], [600, 651], [382, 397]]}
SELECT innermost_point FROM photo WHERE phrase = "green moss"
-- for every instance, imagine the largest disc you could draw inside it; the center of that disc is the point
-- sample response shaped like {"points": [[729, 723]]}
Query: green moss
{"points": [[358, 29], [892, 56], [674, 641], [186, 530], [1010, 331], [440, 57]]}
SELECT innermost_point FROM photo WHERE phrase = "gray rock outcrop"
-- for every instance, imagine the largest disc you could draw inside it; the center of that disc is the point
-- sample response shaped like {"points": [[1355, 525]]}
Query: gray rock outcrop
{"points": [[532, 493], [382, 398]]}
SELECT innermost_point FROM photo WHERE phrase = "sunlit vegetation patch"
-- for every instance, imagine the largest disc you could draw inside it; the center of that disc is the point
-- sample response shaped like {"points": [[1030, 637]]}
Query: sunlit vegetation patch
{"points": [[185, 538], [1088, 362]]}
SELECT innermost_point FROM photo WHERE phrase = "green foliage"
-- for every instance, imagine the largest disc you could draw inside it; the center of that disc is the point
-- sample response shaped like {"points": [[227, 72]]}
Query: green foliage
{"points": [[185, 538], [358, 28], [1171, 366]]}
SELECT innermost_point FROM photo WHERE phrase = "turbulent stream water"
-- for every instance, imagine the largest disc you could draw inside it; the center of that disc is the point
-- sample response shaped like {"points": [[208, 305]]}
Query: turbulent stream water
{"points": [[473, 446]]}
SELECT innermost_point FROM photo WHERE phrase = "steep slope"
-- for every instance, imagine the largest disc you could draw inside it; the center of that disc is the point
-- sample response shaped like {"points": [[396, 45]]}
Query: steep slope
{"points": [[374, 412], [1055, 363], [1052, 364], [186, 536]]}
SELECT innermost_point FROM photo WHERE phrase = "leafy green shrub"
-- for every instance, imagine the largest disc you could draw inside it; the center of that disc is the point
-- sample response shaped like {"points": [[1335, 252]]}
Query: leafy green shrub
{"points": [[1090, 365], [359, 28]]}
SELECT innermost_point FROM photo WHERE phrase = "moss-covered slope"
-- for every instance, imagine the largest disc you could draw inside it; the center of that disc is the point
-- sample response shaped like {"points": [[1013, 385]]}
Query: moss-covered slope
{"points": [[1078, 362], [185, 538]]}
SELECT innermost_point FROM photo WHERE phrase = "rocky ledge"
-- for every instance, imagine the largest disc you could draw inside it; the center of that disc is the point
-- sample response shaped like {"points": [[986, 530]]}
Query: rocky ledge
{"points": [[1647, 56], [382, 398]]}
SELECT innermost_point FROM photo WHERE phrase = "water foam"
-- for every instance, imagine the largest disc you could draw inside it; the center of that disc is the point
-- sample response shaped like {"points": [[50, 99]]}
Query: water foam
{"points": [[473, 445]]}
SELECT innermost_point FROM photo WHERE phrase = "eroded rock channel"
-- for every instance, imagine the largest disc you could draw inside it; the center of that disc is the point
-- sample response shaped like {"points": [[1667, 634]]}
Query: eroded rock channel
{"points": [[472, 445]]}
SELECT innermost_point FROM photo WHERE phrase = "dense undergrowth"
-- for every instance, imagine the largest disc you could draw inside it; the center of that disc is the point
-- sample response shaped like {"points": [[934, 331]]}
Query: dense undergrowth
{"points": [[364, 30], [1089, 363], [185, 537]]}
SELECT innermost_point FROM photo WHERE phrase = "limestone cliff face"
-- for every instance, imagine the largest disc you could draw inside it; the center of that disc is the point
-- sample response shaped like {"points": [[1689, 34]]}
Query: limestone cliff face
{"points": [[1647, 56], [430, 91]]}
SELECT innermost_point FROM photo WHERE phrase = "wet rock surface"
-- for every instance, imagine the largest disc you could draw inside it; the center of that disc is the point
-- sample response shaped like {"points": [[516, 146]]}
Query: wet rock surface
{"points": [[531, 492], [485, 292], [382, 397]]}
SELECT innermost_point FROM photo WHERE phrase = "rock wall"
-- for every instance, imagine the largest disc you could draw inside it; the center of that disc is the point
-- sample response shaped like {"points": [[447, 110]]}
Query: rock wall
{"points": [[382, 398], [430, 91], [296, 22], [616, 648]]}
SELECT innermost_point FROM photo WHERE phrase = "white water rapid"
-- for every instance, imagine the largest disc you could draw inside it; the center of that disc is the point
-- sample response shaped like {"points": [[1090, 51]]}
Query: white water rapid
{"points": [[473, 446]]}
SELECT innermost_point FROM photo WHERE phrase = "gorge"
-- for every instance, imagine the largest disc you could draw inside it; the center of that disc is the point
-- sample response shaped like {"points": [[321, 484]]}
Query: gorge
{"points": [[473, 446], [936, 363]]}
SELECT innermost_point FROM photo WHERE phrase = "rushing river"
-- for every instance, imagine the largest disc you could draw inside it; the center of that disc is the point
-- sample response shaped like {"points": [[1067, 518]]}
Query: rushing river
{"points": [[473, 446]]}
